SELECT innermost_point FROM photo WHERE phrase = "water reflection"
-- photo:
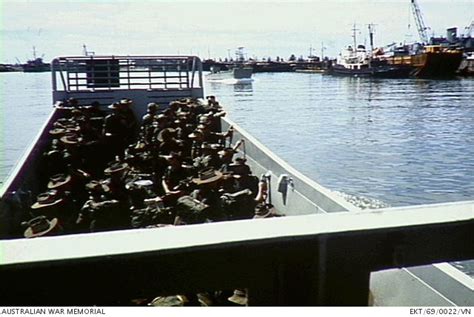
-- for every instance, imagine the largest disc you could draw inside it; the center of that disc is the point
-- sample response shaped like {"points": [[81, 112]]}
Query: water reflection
{"points": [[403, 141], [243, 87]]}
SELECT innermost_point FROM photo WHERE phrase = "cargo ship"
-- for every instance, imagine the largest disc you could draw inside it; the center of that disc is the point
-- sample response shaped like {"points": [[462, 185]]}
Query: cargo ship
{"points": [[428, 58], [36, 65], [428, 61], [323, 251]]}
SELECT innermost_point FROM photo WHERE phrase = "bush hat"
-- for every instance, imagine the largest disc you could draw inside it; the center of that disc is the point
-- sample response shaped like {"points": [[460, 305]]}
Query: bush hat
{"points": [[195, 134], [41, 226], [71, 139], [152, 106], [115, 168], [125, 102], [167, 132], [58, 180], [114, 106], [239, 297], [97, 186], [207, 176], [47, 199]]}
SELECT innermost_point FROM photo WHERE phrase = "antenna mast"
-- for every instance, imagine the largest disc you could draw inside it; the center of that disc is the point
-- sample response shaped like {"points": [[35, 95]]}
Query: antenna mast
{"points": [[420, 23]]}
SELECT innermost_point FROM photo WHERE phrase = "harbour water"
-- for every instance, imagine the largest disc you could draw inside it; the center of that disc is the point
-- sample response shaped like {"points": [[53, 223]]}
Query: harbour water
{"points": [[404, 141], [401, 142]]}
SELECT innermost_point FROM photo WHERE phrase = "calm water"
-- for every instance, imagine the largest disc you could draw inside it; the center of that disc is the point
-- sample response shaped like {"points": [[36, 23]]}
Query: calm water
{"points": [[400, 141]]}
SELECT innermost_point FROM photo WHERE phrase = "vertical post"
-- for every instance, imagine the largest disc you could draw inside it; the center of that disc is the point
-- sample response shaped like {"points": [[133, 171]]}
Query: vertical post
{"points": [[128, 73], [53, 75], [193, 70], [290, 279], [149, 76], [201, 85], [165, 69], [343, 272]]}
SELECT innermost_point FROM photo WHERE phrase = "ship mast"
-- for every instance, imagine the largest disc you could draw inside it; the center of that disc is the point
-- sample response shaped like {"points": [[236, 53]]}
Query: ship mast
{"points": [[371, 35], [354, 36], [420, 23], [240, 54]]}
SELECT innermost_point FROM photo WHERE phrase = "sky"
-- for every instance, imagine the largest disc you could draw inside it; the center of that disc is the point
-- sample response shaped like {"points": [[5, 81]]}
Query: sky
{"points": [[213, 28]]}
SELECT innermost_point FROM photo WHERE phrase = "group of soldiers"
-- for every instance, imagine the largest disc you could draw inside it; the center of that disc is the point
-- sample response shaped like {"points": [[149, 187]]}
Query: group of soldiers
{"points": [[109, 171]]}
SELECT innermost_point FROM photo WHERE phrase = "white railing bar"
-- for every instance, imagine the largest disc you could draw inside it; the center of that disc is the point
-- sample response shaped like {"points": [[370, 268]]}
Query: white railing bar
{"points": [[146, 240]]}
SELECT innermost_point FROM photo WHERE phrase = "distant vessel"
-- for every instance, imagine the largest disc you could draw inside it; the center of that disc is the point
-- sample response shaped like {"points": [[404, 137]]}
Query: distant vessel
{"points": [[430, 58], [313, 64], [9, 68], [36, 64], [269, 66], [427, 61], [355, 61], [467, 66], [239, 70]]}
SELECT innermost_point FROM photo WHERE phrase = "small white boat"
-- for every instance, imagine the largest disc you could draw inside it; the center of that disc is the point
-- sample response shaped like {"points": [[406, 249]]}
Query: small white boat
{"points": [[243, 72], [238, 71]]}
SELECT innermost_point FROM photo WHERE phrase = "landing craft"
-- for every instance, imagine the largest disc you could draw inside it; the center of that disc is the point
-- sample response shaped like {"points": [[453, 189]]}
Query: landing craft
{"points": [[324, 252]]}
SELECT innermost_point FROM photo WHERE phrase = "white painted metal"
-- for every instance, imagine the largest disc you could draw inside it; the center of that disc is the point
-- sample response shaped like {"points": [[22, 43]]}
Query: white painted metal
{"points": [[134, 241]]}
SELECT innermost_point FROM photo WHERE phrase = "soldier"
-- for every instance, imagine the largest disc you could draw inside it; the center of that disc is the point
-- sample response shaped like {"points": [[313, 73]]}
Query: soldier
{"points": [[93, 110], [72, 153], [97, 191], [175, 174], [128, 117], [115, 132], [197, 139], [118, 173], [151, 111], [214, 137], [207, 192], [208, 157], [244, 178], [226, 155], [168, 142], [54, 160]]}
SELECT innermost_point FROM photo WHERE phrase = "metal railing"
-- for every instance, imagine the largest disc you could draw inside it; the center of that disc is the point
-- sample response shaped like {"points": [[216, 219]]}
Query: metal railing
{"points": [[323, 259], [86, 73]]}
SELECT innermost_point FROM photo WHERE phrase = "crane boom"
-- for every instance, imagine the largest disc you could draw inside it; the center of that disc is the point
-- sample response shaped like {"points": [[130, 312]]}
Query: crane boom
{"points": [[420, 24]]}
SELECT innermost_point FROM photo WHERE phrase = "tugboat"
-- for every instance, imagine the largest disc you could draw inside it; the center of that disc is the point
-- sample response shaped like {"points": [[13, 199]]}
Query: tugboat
{"points": [[355, 61], [36, 65]]}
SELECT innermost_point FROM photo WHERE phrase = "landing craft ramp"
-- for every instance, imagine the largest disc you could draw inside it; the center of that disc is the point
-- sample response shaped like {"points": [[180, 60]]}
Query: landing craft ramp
{"points": [[324, 255]]}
